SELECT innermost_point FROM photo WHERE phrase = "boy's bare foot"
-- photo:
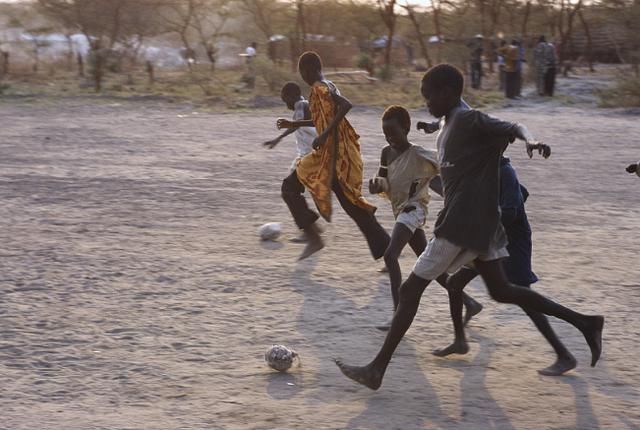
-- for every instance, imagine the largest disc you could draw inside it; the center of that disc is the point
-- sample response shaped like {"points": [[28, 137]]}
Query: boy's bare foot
{"points": [[386, 326], [561, 366], [457, 347], [314, 242], [313, 246], [383, 269], [593, 335], [299, 239], [366, 375], [472, 308]]}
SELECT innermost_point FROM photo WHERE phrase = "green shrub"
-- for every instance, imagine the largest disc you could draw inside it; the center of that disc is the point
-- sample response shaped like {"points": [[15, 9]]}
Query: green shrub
{"points": [[385, 73], [275, 76], [625, 93]]}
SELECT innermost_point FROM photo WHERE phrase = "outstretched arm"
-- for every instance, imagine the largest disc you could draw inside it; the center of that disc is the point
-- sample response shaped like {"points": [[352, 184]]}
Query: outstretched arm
{"points": [[343, 106], [489, 125], [285, 123], [272, 143]]}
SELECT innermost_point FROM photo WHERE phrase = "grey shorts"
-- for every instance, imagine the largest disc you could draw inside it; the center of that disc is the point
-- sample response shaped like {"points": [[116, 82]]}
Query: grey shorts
{"points": [[414, 219], [443, 256]]}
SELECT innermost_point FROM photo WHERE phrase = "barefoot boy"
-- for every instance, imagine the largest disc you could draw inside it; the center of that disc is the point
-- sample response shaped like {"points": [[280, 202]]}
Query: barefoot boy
{"points": [[468, 228], [292, 96], [517, 267], [403, 177], [334, 165]]}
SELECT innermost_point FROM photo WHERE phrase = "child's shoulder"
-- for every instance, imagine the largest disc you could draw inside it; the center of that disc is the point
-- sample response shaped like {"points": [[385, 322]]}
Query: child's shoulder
{"points": [[430, 155], [325, 86]]}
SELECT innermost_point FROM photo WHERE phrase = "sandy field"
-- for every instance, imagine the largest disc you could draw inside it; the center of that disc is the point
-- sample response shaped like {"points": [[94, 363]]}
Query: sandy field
{"points": [[136, 294]]}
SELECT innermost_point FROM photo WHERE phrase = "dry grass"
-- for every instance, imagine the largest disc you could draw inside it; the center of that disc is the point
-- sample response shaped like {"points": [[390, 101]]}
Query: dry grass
{"points": [[216, 90]]}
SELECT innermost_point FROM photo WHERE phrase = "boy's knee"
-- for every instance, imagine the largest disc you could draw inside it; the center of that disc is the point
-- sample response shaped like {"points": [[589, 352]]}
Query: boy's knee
{"points": [[391, 256], [499, 293], [411, 289]]}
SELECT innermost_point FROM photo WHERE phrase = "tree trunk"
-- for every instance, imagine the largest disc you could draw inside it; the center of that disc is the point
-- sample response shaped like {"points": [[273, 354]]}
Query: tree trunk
{"points": [[525, 20], [389, 18], [589, 41], [150, 72], [416, 26], [438, 29], [300, 24], [5, 63], [80, 62], [98, 70], [69, 52]]}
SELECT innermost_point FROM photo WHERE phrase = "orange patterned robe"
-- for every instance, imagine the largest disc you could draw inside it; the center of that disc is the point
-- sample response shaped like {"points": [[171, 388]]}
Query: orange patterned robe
{"points": [[316, 170]]}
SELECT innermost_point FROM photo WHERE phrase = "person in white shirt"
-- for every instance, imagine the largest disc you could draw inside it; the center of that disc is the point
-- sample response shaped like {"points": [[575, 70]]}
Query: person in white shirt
{"points": [[291, 95]]}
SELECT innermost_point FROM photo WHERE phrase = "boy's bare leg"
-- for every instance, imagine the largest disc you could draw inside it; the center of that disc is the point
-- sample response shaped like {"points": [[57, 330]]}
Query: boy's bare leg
{"points": [[502, 291], [455, 284], [418, 243], [400, 236], [305, 218], [371, 375], [376, 236], [565, 361]]}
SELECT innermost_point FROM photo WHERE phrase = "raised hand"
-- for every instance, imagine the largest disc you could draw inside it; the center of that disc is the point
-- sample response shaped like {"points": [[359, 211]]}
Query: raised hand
{"points": [[544, 150], [271, 143], [283, 123], [374, 187], [427, 127]]}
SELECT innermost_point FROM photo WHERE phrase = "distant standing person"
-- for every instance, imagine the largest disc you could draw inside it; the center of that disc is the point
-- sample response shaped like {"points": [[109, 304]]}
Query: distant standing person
{"points": [[501, 71], [519, 64], [510, 53], [551, 60], [476, 50], [250, 54], [545, 60]]}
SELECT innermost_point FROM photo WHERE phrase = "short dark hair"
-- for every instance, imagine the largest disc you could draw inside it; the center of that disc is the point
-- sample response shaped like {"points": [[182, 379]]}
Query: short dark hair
{"points": [[444, 75], [400, 114], [292, 89], [310, 61], [542, 38]]}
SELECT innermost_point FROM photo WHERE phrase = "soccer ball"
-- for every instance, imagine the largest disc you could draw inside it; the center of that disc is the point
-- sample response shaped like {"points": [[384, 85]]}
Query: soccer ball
{"points": [[279, 357], [270, 231]]}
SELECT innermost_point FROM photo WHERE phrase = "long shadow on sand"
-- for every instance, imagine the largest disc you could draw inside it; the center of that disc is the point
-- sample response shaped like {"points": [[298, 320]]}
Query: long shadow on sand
{"points": [[329, 319], [479, 410]]}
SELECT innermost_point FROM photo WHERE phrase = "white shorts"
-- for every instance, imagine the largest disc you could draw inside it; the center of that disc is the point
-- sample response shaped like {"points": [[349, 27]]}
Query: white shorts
{"points": [[443, 256], [414, 219]]}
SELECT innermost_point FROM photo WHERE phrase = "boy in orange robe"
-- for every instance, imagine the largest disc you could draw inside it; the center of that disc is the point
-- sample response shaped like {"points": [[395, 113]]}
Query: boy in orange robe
{"points": [[334, 165]]}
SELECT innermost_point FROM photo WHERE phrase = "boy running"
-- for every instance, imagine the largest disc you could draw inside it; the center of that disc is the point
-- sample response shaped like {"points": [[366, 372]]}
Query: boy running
{"points": [[404, 176], [334, 165], [291, 95], [468, 228], [517, 266]]}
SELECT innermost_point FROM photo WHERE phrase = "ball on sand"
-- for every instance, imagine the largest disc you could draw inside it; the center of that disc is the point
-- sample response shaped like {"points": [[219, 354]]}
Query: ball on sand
{"points": [[270, 231], [279, 357]]}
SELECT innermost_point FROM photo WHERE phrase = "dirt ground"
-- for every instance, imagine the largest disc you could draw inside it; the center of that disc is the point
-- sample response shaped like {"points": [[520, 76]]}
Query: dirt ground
{"points": [[135, 293]]}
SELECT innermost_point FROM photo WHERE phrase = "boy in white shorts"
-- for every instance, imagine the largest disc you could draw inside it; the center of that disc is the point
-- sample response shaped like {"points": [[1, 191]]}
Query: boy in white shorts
{"points": [[291, 95], [468, 228], [403, 177]]}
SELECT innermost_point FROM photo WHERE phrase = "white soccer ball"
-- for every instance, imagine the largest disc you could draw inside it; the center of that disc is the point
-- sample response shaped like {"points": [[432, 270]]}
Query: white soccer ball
{"points": [[270, 231], [279, 357]]}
